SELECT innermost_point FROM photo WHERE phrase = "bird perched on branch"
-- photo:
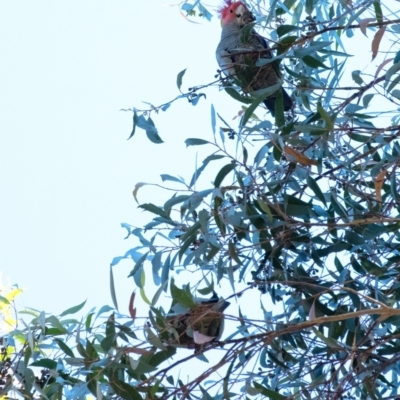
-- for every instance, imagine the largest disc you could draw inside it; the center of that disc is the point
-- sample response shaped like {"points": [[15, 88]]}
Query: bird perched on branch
{"points": [[202, 323], [243, 54]]}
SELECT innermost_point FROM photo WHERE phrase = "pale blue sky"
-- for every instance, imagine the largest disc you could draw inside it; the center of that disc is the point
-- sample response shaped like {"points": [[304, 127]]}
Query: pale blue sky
{"points": [[67, 170]]}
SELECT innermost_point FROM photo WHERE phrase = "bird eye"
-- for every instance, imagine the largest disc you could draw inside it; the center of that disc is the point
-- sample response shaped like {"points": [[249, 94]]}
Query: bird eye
{"points": [[231, 11]]}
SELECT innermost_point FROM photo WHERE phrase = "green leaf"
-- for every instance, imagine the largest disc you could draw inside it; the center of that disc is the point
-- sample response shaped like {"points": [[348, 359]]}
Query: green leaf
{"points": [[156, 264], [207, 290], [46, 363], [250, 110], [213, 119], [353, 238], [165, 271], [179, 78], [378, 12], [315, 188], [186, 244], [206, 395], [124, 390], [367, 98], [199, 170], [265, 208], [187, 7], [112, 288], [55, 322], [152, 133], [312, 48], [359, 138], [335, 53], [396, 93], [237, 96], [156, 359], [223, 172], [158, 293], [73, 310], [313, 62], [195, 142], [370, 267], [394, 188], [288, 5], [326, 117], [394, 82], [220, 224], [261, 155], [139, 265], [54, 331], [182, 297], [75, 361], [92, 383], [149, 127], [246, 31], [233, 252], [91, 351], [284, 29], [212, 253], [109, 341], [268, 393], [392, 70], [266, 92], [203, 217], [356, 76], [153, 339], [140, 278], [135, 121], [88, 322], [309, 6], [173, 201], [166, 177], [154, 209], [339, 209], [397, 57], [192, 230], [328, 341], [245, 155], [285, 44]]}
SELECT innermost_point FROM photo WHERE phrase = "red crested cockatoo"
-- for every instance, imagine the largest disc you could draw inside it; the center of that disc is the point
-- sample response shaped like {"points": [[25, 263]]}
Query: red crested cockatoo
{"points": [[237, 56]]}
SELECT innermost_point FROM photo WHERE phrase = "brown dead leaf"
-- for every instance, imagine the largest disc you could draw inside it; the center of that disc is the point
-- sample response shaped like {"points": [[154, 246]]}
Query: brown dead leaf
{"points": [[225, 188], [379, 179], [364, 23], [137, 187], [382, 65], [132, 310], [239, 114], [298, 157], [377, 40], [311, 314], [135, 350]]}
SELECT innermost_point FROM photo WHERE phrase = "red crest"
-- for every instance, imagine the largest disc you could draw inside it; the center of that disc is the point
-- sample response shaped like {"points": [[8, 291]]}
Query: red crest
{"points": [[227, 5]]}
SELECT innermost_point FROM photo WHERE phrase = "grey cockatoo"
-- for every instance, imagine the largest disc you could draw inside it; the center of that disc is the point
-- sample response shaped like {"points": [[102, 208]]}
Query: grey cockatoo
{"points": [[202, 323], [238, 53]]}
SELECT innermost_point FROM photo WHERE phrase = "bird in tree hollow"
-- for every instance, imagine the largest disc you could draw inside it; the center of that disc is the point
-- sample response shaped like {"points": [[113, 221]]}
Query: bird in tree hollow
{"points": [[243, 54]]}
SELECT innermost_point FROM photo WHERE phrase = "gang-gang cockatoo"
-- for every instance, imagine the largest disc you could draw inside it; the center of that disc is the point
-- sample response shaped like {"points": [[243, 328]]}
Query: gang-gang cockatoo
{"points": [[237, 55]]}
